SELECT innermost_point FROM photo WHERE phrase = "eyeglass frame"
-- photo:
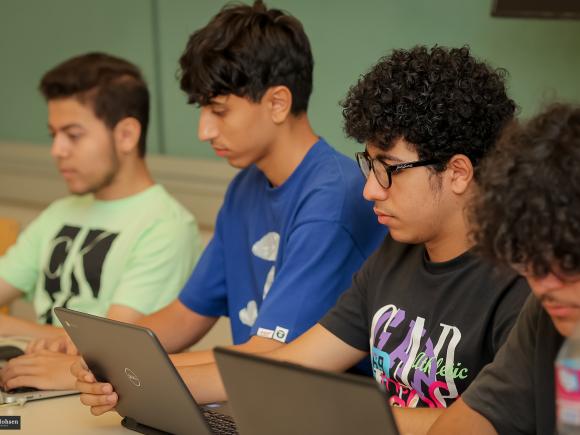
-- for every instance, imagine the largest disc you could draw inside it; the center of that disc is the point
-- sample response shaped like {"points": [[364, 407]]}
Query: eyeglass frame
{"points": [[389, 169]]}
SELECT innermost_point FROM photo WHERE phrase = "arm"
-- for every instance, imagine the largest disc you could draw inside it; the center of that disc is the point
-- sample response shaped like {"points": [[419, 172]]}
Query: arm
{"points": [[61, 342], [460, 418], [8, 292], [317, 348], [12, 326], [176, 326]]}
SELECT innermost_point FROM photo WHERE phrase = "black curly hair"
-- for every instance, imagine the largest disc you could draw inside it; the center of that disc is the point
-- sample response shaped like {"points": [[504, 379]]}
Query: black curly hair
{"points": [[528, 211], [441, 100], [244, 50]]}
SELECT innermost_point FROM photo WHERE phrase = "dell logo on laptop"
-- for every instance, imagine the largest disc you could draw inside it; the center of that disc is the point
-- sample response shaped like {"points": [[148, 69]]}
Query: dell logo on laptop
{"points": [[132, 377]]}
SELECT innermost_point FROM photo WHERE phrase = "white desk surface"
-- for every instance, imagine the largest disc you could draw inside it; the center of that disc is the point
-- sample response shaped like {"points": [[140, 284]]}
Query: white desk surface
{"points": [[64, 416]]}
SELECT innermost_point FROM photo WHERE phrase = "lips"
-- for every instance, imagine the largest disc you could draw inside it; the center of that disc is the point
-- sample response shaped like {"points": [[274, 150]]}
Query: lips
{"points": [[220, 151], [67, 172], [383, 218], [560, 311]]}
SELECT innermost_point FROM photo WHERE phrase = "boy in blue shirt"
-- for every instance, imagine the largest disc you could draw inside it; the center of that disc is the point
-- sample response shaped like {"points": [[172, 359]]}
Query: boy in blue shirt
{"points": [[294, 226]]}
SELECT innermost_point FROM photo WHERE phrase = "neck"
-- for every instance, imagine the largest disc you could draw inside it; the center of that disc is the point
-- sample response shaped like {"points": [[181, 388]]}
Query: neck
{"points": [[452, 240], [133, 177], [293, 140]]}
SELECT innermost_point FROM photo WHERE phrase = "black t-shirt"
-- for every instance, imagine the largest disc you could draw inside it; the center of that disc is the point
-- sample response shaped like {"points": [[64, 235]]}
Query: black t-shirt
{"points": [[516, 392], [430, 327]]}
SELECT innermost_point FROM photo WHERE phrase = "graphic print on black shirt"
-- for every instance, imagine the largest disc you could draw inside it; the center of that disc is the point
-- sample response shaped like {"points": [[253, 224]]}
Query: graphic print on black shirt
{"points": [[86, 268], [423, 368]]}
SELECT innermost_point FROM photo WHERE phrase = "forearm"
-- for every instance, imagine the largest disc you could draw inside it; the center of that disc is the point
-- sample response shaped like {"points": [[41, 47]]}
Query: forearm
{"points": [[196, 358], [416, 421], [204, 382], [13, 326], [256, 345]]}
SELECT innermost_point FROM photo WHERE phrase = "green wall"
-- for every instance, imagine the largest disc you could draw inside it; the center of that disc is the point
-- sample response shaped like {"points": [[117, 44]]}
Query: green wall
{"points": [[543, 57]]}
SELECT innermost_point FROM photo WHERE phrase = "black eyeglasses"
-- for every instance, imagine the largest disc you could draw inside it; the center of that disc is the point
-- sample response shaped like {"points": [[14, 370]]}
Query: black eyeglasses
{"points": [[383, 171]]}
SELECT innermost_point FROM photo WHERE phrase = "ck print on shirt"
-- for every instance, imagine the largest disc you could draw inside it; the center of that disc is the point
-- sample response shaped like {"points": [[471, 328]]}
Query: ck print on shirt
{"points": [[73, 265], [418, 370], [266, 249]]}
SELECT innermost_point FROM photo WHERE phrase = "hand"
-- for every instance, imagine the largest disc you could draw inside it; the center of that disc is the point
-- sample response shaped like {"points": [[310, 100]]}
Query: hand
{"points": [[99, 396], [61, 344], [44, 370]]}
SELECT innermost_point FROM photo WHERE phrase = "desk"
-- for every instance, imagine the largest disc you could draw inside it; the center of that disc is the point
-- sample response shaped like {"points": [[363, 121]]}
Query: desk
{"points": [[64, 416]]}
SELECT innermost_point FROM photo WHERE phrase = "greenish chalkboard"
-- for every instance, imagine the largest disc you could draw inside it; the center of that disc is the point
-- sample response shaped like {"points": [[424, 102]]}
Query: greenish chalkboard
{"points": [[347, 38]]}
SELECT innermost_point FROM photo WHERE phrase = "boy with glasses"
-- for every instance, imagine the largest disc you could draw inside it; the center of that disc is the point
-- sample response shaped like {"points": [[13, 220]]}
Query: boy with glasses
{"points": [[527, 216], [430, 313]]}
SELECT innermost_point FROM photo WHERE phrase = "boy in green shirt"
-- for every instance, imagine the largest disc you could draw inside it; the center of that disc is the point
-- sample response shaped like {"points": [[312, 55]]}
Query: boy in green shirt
{"points": [[120, 246]]}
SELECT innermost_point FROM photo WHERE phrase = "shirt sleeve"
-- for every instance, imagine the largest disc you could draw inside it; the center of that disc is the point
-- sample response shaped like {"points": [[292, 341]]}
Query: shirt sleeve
{"points": [[315, 271], [503, 390], [348, 320], [205, 292], [507, 310], [160, 262], [20, 265]]}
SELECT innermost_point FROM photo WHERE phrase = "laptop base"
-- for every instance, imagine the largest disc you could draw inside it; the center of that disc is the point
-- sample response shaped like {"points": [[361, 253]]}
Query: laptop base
{"points": [[133, 425]]}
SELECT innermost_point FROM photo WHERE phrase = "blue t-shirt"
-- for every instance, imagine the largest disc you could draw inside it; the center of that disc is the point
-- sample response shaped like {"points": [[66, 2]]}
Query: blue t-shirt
{"points": [[281, 256]]}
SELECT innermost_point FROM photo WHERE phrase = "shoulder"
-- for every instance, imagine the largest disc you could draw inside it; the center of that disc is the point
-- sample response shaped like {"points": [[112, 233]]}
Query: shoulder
{"points": [[164, 207]]}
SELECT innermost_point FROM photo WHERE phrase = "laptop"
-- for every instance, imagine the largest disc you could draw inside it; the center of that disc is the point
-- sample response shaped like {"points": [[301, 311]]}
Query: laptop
{"points": [[153, 399], [12, 347], [272, 397]]}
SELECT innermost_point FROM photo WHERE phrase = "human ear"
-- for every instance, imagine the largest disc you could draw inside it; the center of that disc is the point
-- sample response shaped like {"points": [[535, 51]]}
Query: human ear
{"points": [[127, 133], [279, 99], [460, 173]]}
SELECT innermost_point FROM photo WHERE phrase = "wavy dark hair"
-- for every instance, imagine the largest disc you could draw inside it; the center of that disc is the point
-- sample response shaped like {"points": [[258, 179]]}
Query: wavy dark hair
{"points": [[113, 87], [441, 100], [527, 213], [244, 50]]}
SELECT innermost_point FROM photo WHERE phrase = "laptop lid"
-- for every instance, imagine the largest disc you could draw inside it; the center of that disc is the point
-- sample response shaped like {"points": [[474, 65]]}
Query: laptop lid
{"points": [[151, 391], [272, 397]]}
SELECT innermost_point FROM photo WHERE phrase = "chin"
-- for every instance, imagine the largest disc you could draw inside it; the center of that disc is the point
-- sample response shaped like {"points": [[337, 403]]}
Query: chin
{"points": [[565, 327]]}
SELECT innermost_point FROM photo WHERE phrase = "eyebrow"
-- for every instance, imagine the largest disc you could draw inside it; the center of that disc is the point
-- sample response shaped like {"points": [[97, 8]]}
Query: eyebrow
{"points": [[66, 127], [386, 156]]}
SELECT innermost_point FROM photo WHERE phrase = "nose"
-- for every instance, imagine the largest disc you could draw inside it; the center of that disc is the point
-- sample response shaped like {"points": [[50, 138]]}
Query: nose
{"points": [[207, 128], [545, 284], [373, 191], [59, 148]]}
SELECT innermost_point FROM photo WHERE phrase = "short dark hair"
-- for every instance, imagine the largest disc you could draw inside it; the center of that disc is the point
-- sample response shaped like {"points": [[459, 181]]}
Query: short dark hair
{"points": [[244, 51], [527, 213], [114, 88], [443, 101]]}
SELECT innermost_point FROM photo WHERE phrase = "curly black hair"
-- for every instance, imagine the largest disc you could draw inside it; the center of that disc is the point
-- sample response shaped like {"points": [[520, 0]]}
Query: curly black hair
{"points": [[528, 211], [441, 100], [244, 50]]}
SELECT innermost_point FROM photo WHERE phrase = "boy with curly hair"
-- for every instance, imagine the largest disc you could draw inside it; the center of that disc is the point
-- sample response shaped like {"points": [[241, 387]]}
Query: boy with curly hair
{"points": [[430, 313], [527, 217]]}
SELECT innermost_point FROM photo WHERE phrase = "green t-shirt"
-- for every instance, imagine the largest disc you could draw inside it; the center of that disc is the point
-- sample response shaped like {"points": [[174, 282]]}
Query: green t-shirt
{"points": [[86, 254]]}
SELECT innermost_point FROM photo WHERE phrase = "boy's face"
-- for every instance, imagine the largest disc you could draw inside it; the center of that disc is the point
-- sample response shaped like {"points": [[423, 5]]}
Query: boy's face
{"points": [[414, 207], [560, 297], [238, 129], [82, 146]]}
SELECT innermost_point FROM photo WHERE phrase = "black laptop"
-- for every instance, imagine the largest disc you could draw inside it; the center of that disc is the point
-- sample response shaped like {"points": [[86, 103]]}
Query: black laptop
{"points": [[270, 397], [153, 399]]}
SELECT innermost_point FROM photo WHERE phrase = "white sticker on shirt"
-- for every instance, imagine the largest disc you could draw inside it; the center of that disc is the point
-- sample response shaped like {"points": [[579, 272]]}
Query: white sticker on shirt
{"points": [[266, 333], [269, 282], [280, 334], [249, 314], [267, 249]]}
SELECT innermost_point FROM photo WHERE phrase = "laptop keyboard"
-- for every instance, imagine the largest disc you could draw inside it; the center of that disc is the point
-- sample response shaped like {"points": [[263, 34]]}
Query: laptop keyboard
{"points": [[19, 390], [220, 424]]}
